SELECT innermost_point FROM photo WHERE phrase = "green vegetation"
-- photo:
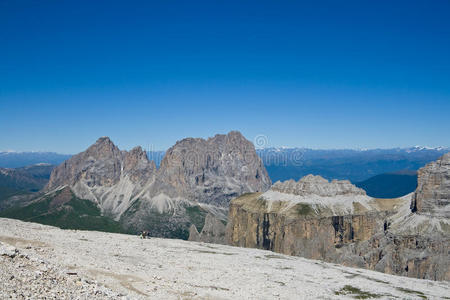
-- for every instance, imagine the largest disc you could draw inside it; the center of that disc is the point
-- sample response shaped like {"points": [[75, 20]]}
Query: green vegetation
{"points": [[270, 256], [212, 252], [304, 209], [356, 293], [74, 214], [6, 192], [197, 216], [417, 293]]}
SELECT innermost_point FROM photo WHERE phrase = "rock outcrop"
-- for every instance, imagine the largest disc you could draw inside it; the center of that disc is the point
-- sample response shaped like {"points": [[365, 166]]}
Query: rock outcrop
{"points": [[432, 196], [213, 171], [317, 185], [213, 231], [336, 222], [106, 175], [304, 223], [196, 177]]}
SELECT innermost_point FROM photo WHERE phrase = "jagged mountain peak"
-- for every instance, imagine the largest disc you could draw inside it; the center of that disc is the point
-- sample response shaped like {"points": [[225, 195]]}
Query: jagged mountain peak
{"points": [[214, 170], [230, 137], [137, 153], [233, 135], [104, 141], [101, 164], [194, 172], [103, 147]]}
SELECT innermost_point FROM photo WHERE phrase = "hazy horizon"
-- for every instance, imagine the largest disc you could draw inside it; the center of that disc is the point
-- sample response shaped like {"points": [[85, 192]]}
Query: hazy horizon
{"points": [[150, 148]]}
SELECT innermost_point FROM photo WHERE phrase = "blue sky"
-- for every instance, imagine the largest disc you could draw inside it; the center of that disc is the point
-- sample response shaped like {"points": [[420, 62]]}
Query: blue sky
{"points": [[333, 74]]}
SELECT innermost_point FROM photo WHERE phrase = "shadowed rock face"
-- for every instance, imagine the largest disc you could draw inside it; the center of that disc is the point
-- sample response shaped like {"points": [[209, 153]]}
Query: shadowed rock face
{"points": [[336, 222], [213, 171], [194, 173], [313, 218], [102, 164], [432, 196]]}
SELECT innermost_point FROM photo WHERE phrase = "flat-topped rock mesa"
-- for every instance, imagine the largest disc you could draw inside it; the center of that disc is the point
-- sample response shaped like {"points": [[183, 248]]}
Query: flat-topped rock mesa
{"points": [[317, 185], [312, 217], [196, 177], [319, 197], [432, 196], [337, 222]]}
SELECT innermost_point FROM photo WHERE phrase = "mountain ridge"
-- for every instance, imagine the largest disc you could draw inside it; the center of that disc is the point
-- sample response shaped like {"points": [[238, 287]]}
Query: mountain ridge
{"points": [[196, 177]]}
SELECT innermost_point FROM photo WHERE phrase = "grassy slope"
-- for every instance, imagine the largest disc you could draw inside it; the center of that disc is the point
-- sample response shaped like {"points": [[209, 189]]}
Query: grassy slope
{"points": [[74, 214], [22, 181]]}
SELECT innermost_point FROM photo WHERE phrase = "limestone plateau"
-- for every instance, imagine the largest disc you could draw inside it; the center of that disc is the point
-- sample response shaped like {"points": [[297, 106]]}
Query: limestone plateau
{"points": [[196, 177], [337, 222]]}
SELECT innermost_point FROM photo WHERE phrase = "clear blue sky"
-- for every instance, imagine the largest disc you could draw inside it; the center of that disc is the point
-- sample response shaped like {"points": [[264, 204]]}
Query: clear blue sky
{"points": [[333, 74]]}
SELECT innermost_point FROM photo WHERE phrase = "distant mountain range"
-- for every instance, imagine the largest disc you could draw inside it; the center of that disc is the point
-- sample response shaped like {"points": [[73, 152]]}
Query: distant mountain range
{"points": [[390, 185], [354, 165], [11, 159], [23, 181], [374, 170]]}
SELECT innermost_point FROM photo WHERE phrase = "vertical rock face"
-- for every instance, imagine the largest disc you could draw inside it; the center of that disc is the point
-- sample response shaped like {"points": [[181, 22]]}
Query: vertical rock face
{"points": [[102, 164], [313, 218], [196, 177], [137, 165], [215, 170], [432, 196], [336, 222]]}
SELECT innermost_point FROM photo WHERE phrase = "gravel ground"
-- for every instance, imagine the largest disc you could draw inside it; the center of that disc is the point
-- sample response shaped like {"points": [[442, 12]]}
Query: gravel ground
{"points": [[25, 276], [43, 262]]}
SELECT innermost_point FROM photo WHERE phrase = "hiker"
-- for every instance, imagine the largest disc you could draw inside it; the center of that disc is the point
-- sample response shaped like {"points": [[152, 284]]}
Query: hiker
{"points": [[145, 234]]}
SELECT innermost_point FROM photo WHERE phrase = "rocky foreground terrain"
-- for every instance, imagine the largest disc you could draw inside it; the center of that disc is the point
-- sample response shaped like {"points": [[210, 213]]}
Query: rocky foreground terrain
{"points": [[38, 261]]}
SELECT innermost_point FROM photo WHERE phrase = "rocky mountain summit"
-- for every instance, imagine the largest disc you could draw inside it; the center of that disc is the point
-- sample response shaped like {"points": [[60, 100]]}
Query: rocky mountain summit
{"points": [[106, 175], [317, 185], [215, 170], [336, 222], [196, 177]]}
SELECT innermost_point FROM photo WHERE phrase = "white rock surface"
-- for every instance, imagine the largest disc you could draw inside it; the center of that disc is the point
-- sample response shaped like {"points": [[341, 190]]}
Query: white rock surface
{"points": [[115, 265], [27, 276], [339, 196], [317, 185]]}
